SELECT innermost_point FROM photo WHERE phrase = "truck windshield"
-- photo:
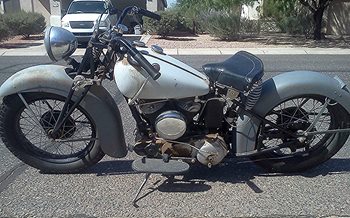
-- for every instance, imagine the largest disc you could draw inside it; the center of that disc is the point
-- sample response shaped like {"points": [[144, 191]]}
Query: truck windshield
{"points": [[96, 7]]}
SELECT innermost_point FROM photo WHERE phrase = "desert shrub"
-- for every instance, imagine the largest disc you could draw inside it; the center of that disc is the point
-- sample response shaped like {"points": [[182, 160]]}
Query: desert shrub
{"points": [[166, 26], [25, 23], [300, 24], [289, 16], [269, 25], [223, 25], [4, 30], [195, 26], [249, 28]]}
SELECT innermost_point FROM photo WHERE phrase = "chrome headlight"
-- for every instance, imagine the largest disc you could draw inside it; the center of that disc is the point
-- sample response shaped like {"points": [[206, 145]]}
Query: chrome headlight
{"points": [[59, 43]]}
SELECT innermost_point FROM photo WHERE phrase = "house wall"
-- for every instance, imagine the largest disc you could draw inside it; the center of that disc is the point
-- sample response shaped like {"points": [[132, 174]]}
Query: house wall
{"points": [[250, 11], [39, 6], [42, 7], [11, 6], [160, 6], [1, 7], [155, 5], [26, 5], [55, 12], [339, 18]]}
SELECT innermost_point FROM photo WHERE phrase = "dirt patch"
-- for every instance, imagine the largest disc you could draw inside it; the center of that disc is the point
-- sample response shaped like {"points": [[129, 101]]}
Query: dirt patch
{"points": [[20, 42], [263, 41]]}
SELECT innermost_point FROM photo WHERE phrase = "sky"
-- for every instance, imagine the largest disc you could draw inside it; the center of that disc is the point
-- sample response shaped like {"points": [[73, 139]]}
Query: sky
{"points": [[171, 2]]}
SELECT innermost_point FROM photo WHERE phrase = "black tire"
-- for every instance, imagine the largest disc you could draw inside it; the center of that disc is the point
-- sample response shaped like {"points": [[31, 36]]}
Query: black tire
{"points": [[316, 149], [69, 157]]}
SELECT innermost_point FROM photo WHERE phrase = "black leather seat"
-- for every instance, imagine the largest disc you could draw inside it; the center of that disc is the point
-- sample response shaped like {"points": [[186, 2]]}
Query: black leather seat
{"points": [[240, 71]]}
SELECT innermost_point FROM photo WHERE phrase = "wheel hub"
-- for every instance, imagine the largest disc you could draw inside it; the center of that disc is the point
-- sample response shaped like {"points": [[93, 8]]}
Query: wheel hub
{"points": [[48, 121], [296, 124]]}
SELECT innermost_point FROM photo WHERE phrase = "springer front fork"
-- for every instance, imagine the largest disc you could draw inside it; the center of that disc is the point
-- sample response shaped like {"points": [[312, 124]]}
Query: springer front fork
{"points": [[79, 83]]}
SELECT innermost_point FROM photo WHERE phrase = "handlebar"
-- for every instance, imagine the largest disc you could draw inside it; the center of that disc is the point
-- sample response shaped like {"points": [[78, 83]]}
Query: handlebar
{"points": [[137, 10], [139, 58], [133, 52], [149, 14], [146, 65]]}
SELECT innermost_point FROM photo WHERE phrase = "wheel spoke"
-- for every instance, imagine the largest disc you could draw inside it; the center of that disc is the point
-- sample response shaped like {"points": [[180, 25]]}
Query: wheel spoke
{"points": [[77, 132], [298, 114]]}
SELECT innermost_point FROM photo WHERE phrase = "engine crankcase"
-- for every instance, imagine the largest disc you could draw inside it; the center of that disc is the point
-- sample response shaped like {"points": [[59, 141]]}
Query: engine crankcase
{"points": [[213, 151]]}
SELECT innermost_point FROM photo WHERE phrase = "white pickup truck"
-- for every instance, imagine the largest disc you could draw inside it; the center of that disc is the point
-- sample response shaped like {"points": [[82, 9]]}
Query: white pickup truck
{"points": [[82, 16]]}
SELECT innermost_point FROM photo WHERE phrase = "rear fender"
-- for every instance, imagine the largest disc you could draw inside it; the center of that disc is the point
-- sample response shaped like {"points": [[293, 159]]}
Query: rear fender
{"points": [[282, 88], [98, 102]]}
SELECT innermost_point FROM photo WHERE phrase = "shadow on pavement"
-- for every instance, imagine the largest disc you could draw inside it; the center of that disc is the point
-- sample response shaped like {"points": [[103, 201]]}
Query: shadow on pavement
{"points": [[196, 180], [234, 172]]}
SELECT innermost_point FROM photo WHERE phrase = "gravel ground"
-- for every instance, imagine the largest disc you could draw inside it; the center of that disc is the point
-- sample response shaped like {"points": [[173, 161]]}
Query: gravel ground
{"points": [[20, 42], [264, 41]]}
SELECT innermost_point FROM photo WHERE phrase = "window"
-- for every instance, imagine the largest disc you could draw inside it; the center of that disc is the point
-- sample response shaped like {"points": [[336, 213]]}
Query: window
{"points": [[87, 7]]}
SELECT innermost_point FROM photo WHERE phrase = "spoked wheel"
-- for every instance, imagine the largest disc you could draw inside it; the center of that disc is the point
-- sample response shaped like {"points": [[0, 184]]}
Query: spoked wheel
{"points": [[299, 151], [25, 130]]}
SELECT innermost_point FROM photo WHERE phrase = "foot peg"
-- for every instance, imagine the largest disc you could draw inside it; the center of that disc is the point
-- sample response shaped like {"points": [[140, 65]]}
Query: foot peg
{"points": [[157, 166]]}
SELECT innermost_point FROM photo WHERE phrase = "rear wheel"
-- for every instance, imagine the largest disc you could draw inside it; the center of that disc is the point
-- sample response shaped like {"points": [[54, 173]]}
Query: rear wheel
{"points": [[25, 132], [311, 113]]}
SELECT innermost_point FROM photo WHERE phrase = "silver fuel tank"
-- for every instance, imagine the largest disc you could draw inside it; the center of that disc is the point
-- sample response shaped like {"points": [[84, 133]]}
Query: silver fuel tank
{"points": [[177, 81]]}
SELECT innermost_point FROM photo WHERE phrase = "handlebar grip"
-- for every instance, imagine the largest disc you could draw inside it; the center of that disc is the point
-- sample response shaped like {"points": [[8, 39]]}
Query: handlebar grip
{"points": [[150, 14], [139, 58], [147, 66]]}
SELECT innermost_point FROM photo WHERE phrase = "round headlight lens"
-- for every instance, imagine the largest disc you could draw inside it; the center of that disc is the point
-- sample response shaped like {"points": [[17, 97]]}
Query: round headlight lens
{"points": [[59, 43]]}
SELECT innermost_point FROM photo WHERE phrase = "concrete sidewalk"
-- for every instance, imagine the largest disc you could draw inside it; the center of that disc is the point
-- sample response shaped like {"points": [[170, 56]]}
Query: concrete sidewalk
{"points": [[40, 51]]}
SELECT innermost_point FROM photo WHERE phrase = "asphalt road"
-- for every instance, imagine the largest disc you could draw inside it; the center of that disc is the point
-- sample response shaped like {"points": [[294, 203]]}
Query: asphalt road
{"points": [[234, 189]]}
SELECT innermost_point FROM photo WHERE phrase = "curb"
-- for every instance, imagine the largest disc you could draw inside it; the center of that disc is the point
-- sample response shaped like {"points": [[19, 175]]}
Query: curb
{"points": [[40, 51], [145, 38], [259, 51]]}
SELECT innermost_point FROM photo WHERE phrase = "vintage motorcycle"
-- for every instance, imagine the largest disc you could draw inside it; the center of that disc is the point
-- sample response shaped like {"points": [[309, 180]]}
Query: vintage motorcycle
{"points": [[61, 119]]}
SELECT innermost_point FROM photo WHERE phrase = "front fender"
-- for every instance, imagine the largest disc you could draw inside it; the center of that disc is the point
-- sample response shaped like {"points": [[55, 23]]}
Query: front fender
{"points": [[98, 102], [282, 88]]}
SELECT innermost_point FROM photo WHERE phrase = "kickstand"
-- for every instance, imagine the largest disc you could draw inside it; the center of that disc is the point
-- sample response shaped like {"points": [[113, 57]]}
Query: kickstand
{"points": [[147, 175]]}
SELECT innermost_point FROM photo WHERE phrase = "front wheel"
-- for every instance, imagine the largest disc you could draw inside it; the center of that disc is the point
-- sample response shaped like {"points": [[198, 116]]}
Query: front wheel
{"points": [[24, 130], [309, 113]]}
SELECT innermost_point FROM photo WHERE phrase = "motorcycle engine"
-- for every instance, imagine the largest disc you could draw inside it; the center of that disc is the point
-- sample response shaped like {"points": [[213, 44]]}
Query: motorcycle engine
{"points": [[213, 151], [170, 117], [150, 108], [171, 125], [209, 151]]}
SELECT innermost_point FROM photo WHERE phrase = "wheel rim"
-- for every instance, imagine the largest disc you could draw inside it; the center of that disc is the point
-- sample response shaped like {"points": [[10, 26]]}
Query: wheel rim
{"points": [[77, 134], [296, 115]]}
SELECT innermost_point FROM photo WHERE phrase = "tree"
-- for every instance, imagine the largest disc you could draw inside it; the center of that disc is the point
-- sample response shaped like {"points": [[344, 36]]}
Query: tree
{"points": [[317, 8], [279, 8], [191, 9]]}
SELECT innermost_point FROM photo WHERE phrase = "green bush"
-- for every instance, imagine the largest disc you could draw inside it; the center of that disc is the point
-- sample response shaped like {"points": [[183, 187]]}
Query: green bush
{"points": [[170, 22], [300, 24], [25, 23], [4, 30], [249, 28], [289, 16], [223, 25]]}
